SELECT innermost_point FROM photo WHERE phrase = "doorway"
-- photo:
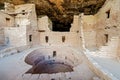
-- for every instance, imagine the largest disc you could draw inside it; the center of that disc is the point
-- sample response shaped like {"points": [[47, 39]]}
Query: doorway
{"points": [[63, 39], [46, 39], [106, 37]]}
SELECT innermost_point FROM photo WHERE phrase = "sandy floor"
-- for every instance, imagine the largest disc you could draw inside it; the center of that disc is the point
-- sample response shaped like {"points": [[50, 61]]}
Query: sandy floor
{"points": [[13, 66]]}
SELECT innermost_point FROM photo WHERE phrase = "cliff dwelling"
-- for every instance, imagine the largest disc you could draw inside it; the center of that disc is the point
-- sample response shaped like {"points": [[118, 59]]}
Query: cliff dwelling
{"points": [[72, 43]]}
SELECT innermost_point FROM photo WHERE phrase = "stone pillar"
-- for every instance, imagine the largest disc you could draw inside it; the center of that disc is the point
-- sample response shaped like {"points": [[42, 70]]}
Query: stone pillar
{"points": [[82, 32]]}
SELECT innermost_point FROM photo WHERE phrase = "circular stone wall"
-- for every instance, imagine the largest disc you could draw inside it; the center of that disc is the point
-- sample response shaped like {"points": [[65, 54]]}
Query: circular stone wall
{"points": [[52, 60]]}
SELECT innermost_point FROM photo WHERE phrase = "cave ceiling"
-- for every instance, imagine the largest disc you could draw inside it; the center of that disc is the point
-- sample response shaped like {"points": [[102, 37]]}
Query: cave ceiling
{"points": [[62, 11]]}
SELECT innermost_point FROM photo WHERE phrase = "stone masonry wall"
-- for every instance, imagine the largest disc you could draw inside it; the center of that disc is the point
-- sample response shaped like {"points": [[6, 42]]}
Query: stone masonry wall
{"points": [[6, 20]]}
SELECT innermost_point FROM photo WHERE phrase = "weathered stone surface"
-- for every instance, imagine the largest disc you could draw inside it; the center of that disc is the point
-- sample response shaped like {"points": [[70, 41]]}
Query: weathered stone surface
{"points": [[62, 10]]}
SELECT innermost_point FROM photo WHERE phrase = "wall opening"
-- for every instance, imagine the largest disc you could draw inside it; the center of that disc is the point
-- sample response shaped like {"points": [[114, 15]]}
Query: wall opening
{"points": [[23, 12], [7, 21], [108, 14], [2, 6], [63, 38], [18, 25], [106, 37], [30, 38], [54, 53], [7, 40], [46, 39]]}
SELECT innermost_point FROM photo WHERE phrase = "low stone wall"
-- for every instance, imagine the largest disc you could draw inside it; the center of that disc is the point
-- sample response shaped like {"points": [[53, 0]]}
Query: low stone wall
{"points": [[7, 51], [60, 38], [96, 68], [12, 50]]}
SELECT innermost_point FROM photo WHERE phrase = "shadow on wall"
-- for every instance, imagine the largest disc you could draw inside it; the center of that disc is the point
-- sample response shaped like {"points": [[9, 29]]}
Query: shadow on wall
{"points": [[61, 27]]}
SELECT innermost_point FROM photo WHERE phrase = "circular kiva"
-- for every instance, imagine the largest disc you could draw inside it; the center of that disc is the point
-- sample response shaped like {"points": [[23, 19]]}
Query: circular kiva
{"points": [[45, 61]]}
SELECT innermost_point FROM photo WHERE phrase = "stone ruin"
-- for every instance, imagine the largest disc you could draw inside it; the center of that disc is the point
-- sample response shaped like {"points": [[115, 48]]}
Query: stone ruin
{"points": [[31, 50]]}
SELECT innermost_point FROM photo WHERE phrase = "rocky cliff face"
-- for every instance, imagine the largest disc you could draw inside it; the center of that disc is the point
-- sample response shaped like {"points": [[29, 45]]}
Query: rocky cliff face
{"points": [[61, 11]]}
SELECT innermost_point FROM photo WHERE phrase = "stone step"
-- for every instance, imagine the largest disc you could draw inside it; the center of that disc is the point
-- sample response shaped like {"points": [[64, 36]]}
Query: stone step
{"points": [[74, 76], [27, 76], [34, 77], [44, 77], [20, 77], [14, 51]]}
